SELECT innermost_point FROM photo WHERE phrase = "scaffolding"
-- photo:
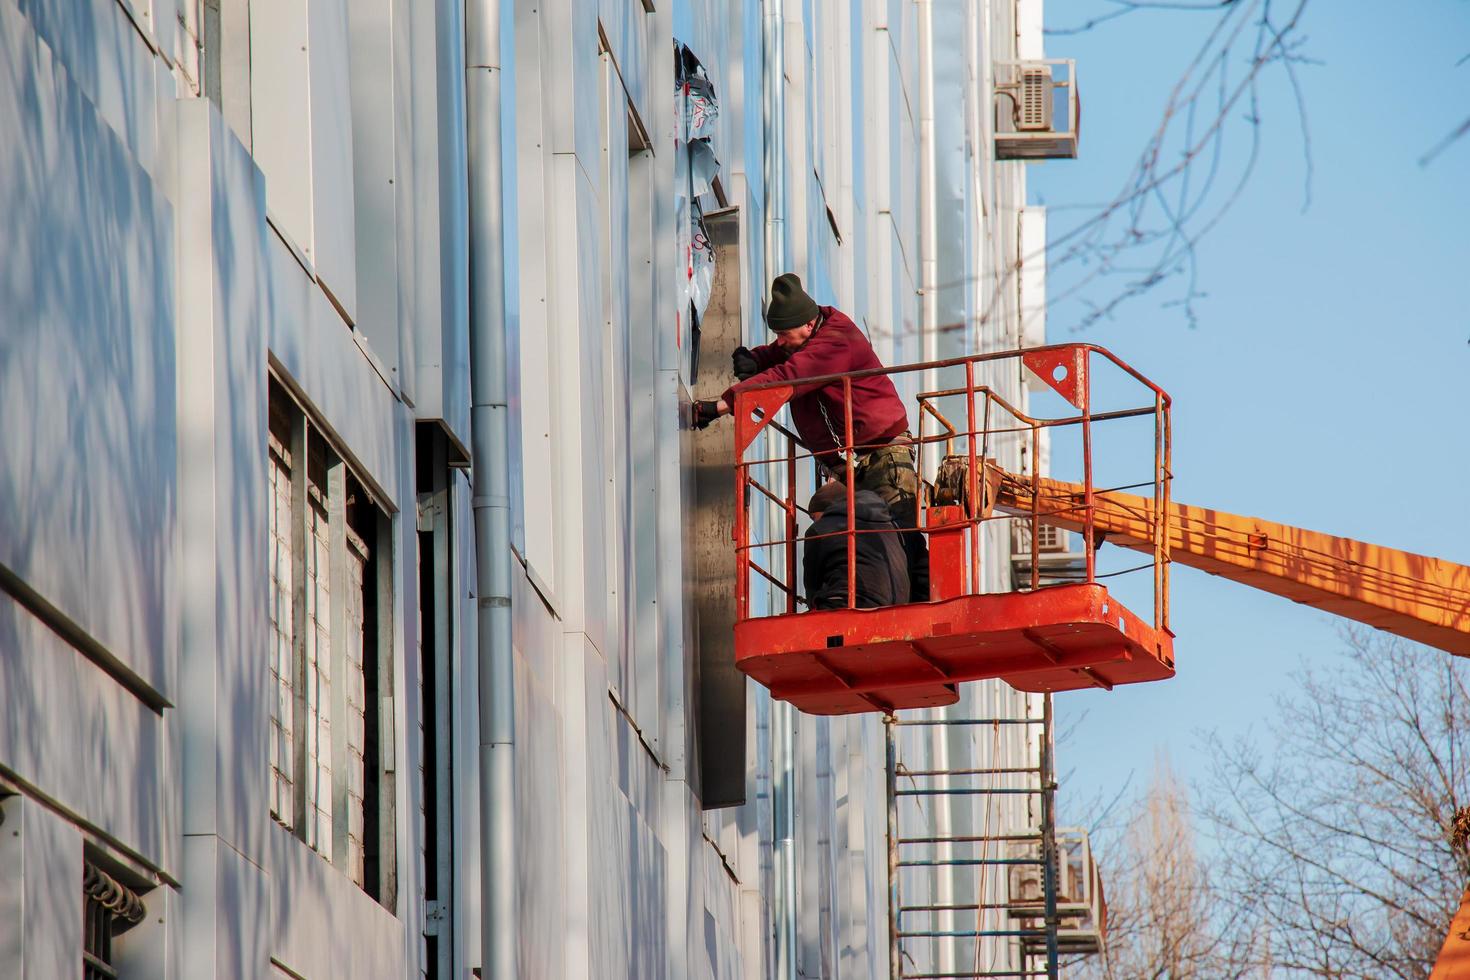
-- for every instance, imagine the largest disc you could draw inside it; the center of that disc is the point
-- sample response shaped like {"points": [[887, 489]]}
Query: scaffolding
{"points": [[1036, 892]]}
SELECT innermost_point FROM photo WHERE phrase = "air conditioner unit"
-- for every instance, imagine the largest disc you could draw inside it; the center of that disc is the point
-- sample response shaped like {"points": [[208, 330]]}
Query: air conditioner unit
{"points": [[1056, 561], [1081, 910], [1033, 108], [1036, 110], [1049, 540]]}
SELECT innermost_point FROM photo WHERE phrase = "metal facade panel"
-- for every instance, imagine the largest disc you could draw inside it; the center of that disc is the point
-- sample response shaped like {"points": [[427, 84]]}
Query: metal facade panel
{"points": [[1033, 276], [321, 360], [954, 269], [331, 113], [280, 119], [584, 332], [900, 311], [904, 169], [569, 76], [610, 20], [374, 136], [241, 903], [342, 932], [12, 897], [1029, 29], [633, 58], [721, 712], [233, 53], [91, 747], [450, 365], [540, 790], [623, 830], [530, 258], [88, 488], [223, 482], [39, 854], [643, 402], [102, 54], [626, 26], [615, 394], [427, 343]]}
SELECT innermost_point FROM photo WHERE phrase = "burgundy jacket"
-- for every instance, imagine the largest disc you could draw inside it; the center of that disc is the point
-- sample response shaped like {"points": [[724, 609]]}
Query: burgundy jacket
{"points": [[837, 346]]}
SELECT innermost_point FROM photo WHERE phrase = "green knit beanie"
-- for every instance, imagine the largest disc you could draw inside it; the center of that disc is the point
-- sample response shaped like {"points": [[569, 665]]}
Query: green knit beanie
{"points": [[790, 305]]}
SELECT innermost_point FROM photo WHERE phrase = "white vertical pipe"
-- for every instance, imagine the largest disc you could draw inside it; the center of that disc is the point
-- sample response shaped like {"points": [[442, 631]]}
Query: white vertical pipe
{"points": [[928, 192], [783, 716], [928, 224], [490, 446], [929, 320]]}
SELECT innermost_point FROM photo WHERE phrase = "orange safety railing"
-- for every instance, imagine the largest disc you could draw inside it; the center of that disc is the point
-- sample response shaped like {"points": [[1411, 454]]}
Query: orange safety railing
{"points": [[958, 475]]}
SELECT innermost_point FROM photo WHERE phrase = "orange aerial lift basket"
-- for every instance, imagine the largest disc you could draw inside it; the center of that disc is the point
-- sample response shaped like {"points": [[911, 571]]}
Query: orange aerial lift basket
{"points": [[1044, 625]]}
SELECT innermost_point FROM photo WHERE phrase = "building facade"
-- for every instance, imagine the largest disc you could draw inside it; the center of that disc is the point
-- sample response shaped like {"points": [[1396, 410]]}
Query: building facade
{"points": [[238, 651]]}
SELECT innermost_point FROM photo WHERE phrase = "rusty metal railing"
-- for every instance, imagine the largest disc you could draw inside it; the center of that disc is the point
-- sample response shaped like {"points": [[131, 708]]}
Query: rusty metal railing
{"points": [[956, 461]]}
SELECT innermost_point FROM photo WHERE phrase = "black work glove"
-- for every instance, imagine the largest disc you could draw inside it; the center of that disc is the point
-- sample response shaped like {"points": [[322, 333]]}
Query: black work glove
{"points": [[705, 412], [744, 363]]}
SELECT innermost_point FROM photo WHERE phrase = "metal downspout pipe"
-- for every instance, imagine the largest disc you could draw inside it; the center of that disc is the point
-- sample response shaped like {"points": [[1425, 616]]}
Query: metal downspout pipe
{"points": [[928, 189], [490, 446], [783, 716], [929, 319], [928, 205]]}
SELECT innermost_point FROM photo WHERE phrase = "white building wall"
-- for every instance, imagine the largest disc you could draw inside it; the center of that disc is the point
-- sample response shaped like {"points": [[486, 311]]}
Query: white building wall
{"points": [[205, 197], [157, 273]]}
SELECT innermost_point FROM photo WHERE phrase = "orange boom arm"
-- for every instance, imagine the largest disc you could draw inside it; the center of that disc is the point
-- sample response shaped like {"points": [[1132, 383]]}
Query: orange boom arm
{"points": [[1419, 598]]}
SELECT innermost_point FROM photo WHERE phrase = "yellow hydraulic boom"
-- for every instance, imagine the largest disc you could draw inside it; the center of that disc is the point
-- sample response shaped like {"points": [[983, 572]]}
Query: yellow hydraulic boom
{"points": [[1419, 598]]}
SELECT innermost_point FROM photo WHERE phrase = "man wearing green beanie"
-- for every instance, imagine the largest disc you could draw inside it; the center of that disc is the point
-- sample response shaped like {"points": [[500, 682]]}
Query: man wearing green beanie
{"points": [[812, 341]]}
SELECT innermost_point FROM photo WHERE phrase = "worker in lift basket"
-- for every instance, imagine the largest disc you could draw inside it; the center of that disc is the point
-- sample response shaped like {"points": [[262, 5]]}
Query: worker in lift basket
{"points": [[882, 577], [812, 341]]}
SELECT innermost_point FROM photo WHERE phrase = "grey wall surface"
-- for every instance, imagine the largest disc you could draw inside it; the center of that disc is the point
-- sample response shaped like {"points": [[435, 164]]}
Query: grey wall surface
{"points": [[146, 298], [166, 258], [88, 503]]}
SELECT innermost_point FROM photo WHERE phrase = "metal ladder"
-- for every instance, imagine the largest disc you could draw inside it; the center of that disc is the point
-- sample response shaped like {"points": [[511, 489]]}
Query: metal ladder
{"points": [[1030, 950]]}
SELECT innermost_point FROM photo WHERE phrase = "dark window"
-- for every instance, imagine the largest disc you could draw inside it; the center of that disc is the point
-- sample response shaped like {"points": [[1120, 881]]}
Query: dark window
{"points": [[109, 908], [329, 670]]}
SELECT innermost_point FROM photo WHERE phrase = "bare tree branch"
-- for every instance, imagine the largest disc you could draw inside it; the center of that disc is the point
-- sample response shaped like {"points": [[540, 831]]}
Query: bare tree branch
{"points": [[1338, 843], [1186, 180]]}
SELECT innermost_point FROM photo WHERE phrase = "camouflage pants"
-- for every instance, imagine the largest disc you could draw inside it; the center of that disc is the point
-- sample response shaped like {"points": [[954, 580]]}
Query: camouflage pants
{"points": [[889, 472]]}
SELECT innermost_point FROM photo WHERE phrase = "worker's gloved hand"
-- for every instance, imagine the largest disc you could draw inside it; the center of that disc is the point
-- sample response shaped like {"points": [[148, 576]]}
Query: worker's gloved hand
{"points": [[705, 412], [744, 363]]}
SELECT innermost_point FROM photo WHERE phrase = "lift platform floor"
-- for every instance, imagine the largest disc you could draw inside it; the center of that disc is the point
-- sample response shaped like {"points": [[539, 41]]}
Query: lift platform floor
{"points": [[844, 661]]}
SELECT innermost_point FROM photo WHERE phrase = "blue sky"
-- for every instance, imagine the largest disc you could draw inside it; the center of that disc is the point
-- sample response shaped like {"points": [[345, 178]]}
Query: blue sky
{"points": [[1325, 382]]}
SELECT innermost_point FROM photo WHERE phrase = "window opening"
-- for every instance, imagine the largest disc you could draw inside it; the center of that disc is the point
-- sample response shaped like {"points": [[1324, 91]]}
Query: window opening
{"points": [[317, 667], [282, 679], [436, 694], [109, 908], [356, 696], [331, 762]]}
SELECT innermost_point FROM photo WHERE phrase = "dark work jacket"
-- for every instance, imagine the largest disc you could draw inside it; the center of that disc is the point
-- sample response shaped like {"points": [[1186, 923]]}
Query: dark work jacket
{"points": [[882, 567], [837, 346]]}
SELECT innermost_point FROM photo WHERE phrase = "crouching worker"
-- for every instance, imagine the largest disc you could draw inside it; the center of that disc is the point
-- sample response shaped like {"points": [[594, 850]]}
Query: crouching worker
{"points": [[882, 566]]}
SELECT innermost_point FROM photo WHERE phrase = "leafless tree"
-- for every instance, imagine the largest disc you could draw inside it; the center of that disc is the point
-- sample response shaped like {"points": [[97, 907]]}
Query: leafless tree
{"points": [[1454, 135], [1165, 917], [1196, 164], [1336, 844], [1190, 172]]}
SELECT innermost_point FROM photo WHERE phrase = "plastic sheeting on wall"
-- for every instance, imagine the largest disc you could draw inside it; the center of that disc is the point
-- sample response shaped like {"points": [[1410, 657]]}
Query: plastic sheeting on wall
{"points": [[695, 169]]}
